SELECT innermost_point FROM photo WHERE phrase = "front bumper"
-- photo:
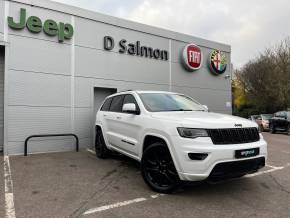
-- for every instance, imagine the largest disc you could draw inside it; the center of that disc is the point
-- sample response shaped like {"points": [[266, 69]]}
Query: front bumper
{"points": [[220, 162], [236, 168]]}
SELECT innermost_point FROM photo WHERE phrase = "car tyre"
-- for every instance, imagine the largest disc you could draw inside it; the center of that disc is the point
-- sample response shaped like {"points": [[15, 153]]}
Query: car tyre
{"points": [[100, 146], [272, 129], [158, 169]]}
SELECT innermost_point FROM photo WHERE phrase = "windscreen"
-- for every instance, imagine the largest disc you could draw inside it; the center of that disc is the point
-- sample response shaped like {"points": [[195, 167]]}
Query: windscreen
{"points": [[266, 116], [158, 102]]}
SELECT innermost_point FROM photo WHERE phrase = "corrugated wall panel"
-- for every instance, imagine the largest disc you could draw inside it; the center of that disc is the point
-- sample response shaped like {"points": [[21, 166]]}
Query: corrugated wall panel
{"points": [[2, 61]]}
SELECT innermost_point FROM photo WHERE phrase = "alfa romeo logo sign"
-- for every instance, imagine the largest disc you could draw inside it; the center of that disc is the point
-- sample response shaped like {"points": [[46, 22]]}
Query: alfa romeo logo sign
{"points": [[192, 57], [217, 62]]}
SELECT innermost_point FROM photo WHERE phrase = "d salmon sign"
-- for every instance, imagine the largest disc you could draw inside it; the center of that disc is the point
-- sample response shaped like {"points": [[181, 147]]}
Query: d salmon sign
{"points": [[192, 57], [217, 62]]}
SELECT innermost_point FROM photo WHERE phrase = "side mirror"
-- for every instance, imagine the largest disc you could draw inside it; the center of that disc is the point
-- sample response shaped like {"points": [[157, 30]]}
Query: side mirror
{"points": [[130, 108], [206, 107]]}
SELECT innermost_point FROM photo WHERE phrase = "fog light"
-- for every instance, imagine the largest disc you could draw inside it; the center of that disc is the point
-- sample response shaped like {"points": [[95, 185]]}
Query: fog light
{"points": [[197, 156]]}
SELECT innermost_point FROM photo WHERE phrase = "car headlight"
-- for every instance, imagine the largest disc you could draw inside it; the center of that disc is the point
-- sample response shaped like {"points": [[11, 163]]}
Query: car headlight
{"points": [[192, 133]]}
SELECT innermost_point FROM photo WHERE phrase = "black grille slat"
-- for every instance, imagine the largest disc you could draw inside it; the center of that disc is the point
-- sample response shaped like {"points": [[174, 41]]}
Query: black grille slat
{"points": [[234, 135]]}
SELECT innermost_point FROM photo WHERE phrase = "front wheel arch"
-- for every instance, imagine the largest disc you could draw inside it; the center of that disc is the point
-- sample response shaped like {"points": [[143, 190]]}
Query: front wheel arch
{"points": [[161, 138]]}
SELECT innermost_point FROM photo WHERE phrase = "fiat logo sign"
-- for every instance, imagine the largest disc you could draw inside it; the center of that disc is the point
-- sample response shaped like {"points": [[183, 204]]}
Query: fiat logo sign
{"points": [[192, 57]]}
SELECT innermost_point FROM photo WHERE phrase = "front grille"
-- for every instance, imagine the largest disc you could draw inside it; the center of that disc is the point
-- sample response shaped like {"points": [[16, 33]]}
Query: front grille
{"points": [[234, 135]]}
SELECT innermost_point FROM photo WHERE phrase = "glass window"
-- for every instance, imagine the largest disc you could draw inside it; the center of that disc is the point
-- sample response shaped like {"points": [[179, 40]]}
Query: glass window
{"points": [[130, 99], [266, 116], [106, 105], [117, 102], [157, 102]]}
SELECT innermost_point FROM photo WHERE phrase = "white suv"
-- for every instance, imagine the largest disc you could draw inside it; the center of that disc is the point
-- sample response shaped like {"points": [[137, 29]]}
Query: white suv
{"points": [[175, 138]]}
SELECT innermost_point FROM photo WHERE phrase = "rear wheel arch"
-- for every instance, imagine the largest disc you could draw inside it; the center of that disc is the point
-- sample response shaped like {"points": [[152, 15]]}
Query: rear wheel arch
{"points": [[98, 127]]}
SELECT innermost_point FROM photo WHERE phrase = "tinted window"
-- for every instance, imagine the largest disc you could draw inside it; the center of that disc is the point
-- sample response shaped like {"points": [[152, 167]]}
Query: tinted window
{"points": [[106, 105], [266, 116], [155, 102], [117, 103], [130, 99], [284, 114]]}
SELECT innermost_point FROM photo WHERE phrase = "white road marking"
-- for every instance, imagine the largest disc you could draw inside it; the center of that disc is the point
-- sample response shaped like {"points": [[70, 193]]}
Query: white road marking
{"points": [[156, 196], [267, 171], [91, 151], [267, 165], [120, 204], [110, 206], [9, 198], [136, 200]]}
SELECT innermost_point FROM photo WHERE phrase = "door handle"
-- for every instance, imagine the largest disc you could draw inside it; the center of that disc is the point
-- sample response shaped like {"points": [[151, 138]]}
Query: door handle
{"points": [[119, 118], [105, 115]]}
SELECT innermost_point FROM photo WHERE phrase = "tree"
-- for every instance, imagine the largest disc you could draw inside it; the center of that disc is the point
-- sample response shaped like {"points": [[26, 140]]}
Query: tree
{"points": [[265, 81]]}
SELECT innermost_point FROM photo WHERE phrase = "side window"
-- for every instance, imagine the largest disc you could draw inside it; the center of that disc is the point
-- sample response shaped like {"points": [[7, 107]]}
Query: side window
{"points": [[117, 103], [106, 105], [130, 99]]}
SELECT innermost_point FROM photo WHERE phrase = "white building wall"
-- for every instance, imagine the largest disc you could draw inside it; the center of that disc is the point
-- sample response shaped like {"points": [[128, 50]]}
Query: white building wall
{"points": [[50, 84]]}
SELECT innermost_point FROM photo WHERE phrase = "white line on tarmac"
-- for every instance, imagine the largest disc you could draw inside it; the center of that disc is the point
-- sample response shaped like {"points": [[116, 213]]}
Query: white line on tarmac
{"points": [[136, 200], [273, 167], [110, 206], [91, 151], [120, 204], [267, 171], [9, 198]]}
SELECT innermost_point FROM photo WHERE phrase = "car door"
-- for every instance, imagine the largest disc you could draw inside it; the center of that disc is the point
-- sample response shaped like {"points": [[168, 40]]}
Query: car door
{"points": [[112, 121], [130, 127], [279, 120], [283, 120], [103, 115]]}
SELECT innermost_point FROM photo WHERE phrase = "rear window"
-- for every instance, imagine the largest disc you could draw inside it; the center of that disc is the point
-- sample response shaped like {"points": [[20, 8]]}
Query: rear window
{"points": [[106, 105], [117, 102]]}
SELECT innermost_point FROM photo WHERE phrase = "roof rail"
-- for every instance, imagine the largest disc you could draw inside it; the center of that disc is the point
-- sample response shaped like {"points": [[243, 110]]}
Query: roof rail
{"points": [[127, 90]]}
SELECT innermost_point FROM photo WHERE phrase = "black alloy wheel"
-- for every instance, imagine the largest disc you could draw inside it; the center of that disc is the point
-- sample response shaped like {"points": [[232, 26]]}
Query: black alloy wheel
{"points": [[158, 169], [100, 146], [272, 129]]}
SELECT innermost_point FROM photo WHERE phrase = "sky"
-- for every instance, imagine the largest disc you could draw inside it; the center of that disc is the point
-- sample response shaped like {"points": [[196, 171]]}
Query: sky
{"points": [[249, 26]]}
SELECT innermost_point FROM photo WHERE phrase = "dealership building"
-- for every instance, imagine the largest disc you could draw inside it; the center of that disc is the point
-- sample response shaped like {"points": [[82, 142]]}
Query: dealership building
{"points": [[58, 63]]}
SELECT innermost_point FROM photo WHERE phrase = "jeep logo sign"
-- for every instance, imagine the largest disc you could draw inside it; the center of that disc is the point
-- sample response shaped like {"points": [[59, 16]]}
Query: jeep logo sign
{"points": [[192, 57], [63, 31]]}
